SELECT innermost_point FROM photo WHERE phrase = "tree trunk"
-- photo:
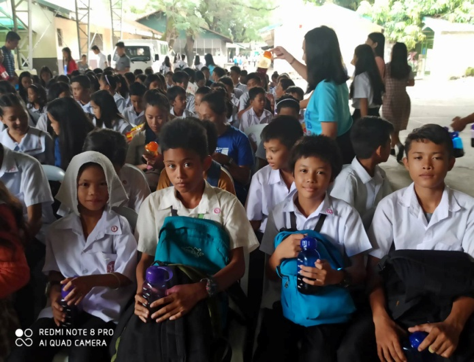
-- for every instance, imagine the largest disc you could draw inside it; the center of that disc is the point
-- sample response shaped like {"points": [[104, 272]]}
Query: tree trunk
{"points": [[189, 49], [171, 34]]}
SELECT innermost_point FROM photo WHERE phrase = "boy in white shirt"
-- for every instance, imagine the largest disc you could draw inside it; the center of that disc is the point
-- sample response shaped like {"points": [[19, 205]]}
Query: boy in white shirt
{"points": [[362, 184], [427, 215], [178, 102], [274, 182], [81, 91], [181, 79], [257, 114], [135, 114], [315, 161]]}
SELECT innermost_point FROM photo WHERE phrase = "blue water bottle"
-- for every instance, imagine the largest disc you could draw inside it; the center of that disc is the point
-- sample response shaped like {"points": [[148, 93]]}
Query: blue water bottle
{"points": [[307, 257], [154, 286], [457, 144], [411, 349], [69, 310]]}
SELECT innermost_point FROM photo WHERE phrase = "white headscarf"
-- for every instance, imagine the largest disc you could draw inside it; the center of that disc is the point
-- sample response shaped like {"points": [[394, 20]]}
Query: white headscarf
{"points": [[67, 193]]}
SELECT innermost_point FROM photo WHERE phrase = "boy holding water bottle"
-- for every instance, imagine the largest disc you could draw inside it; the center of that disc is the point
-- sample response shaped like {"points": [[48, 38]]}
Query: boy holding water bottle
{"points": [[315, 162]]}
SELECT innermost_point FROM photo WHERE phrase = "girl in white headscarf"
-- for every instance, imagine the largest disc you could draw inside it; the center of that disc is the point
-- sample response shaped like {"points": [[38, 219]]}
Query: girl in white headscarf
{"points": [[91, 254]]}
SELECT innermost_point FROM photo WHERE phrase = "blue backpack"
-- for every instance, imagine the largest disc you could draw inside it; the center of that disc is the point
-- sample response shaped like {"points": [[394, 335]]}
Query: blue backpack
{"points": [[195, 242], [332, 304]]}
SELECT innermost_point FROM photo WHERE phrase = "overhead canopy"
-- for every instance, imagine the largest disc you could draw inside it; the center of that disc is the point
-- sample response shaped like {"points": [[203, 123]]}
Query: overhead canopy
{"points": [[444, 26]]}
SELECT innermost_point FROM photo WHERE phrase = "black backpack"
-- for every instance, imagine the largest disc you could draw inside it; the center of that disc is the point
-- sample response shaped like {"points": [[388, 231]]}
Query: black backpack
{"points": [[421, 285]]}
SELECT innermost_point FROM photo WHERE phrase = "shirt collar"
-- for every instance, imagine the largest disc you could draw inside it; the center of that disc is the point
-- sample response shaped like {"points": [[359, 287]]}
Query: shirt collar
{"points": [[325, 207], [9, 164], [109, 224], [275, 177]]}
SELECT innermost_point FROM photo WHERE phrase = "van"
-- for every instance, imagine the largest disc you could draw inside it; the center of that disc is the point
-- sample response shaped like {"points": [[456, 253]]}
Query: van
{"points": [[144, 53]]}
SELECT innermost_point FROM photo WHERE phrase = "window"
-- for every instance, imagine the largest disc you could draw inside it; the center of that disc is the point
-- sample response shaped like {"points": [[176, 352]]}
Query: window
{"points": [[60, 37]]}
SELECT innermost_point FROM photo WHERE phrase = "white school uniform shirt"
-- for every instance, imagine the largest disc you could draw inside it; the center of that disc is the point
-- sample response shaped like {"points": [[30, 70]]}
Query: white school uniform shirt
{"points": [[110, 248], [243, 100], [267, 190], [192, 88], [182, 64], [87, 108], [342, 227], [363, 89], [190, 106], [356, 187], [241, 86], [121, 125], [186, 113], [24, 177], [42, 123], [216, 204], [120, 101], [132, 117], [135, 185], [400, 220], [250, 118], [34, 113], [102, 59], [35, 143], [238, 92], [164, 69]]}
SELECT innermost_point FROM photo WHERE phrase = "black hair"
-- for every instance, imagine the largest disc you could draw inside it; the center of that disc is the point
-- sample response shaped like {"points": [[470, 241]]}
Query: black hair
{"points": [[68, 58], [137, 72], [150, 78], [148, 70], [45, 69], [366, 64], [295, 90], [130, 77], [167, 61], [64, 78], [35, 79], [285, 129], [209, 60], [120, 44], [137, 89], [212, 136], [12, 36], [56, 89], [10, 100], [288, 101], [286, 83], [109, 79], [204, 90], [217, 102], [98, 71], [123, 85], [74, 127], [399, 68], [6, 87], [368, 134], [175, 91], [197, 60], [236, 69], [95, 86], [378, 38], [227, 81], [204, 68], [108, 108], [75, 73], [254, 76], [218, 87], [95, 47], [433, 133], [142, 78], [323, 57], [184, 133], [191, 73], [199, 76], [111, 144], [22, 90], [83, 81], [109, 69], [244, 73], [275, 75], [254, 92], [320, 146], [41, 94], [180, 77], [220, 72], [156, 98]]}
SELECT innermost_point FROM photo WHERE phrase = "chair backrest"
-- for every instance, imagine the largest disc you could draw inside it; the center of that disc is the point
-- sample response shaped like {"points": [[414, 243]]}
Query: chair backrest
{"points": [[129, 214], [255, 130], [53, 173]]}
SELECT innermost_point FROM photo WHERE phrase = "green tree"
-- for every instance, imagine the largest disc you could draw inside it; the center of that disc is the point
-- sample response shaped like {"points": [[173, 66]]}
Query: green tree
{"points": [[349, 4], [403, 20]]}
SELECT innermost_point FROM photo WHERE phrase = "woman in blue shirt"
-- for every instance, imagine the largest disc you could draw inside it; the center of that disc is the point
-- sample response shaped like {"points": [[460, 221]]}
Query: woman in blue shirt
{"points": [[328, 108]]}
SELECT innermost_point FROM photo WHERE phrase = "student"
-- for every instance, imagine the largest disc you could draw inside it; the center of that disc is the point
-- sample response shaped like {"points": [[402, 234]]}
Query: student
{"points": [[114, 146], [135, 114], [257, 114], [235, 74], [274, 182], [197, 63], [200, 93], [396, 102], [106, 114], [101, 58], [377, 42], [181, 63], [253, 80], [223, 178], [130, 78], [91, 252], [122, 64], [181, 79], [45, 75], [19, 136], [243, 77], [14, 270], [109, 83], [148, 71], [95, 85], [298, 93], [11, 43], [81, 91], [427, 215], [68, 62], [57, 90], [234, 93], [362, 184], [192, 87], [210, 63], [166, 66], [218, 74], [24, 82], [315, 163], [71, 126], [185, 151], [207, 75], [83, 66], [36, 101], [177, 99], [122, 88], [233, 147], [3, 71], [281, 87], [140, 78], [200, 79], [153, 82], [169, 80], [367, 88], [231, 109]]}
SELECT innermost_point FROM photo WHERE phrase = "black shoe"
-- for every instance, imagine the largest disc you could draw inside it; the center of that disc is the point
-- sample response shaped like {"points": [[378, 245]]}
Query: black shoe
{"points": [[392, 152], [401, 151]]}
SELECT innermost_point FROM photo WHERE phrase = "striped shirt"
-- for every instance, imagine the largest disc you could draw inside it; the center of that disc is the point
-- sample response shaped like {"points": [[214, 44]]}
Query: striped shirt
{"points": [[9, 61]]}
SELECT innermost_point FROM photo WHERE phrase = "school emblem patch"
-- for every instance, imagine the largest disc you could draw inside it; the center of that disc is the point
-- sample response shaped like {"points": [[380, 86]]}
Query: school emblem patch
{"points": [[114, 229]]}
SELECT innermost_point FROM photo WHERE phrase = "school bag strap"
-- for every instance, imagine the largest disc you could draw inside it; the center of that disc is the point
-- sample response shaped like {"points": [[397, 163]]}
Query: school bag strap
{"points": [[317, 228]]}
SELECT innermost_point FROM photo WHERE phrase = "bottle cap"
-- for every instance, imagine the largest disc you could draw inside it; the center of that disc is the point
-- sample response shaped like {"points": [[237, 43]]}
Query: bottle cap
{"points": [[417, 338], [152, 146], [156, 275], [309, 243], [267, 54]]}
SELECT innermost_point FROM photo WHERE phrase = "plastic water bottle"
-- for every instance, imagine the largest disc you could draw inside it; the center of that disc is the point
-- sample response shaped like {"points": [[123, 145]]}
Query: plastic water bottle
{"points": [[457, 143], [411, 350], [154, 286], [264, 62], [70, 310], [307, 257], [472, 135]]}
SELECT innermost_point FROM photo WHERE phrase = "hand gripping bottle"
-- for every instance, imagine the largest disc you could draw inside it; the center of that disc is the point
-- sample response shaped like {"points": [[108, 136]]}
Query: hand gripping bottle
{"points": [[411, 349], [70, 310], [307, 257], [264, 62], [457, 144], [154, 286]]}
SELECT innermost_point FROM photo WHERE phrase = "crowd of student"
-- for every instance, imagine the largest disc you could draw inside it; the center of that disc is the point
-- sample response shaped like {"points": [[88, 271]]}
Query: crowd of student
{"points": [[96, 127]]}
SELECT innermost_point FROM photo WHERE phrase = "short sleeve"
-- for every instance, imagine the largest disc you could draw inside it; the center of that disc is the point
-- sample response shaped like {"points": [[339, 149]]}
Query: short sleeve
{"points": [[34, 184], [126, 62], [245, 154], [361, 86], [325, 101], [225, 182], [381, 230], [355, 238], [243, 101], [147, 228], [238, 227], [343, 189], [125, 246], [268, 240], [163, 181], [468, 239], [254, 200]]}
